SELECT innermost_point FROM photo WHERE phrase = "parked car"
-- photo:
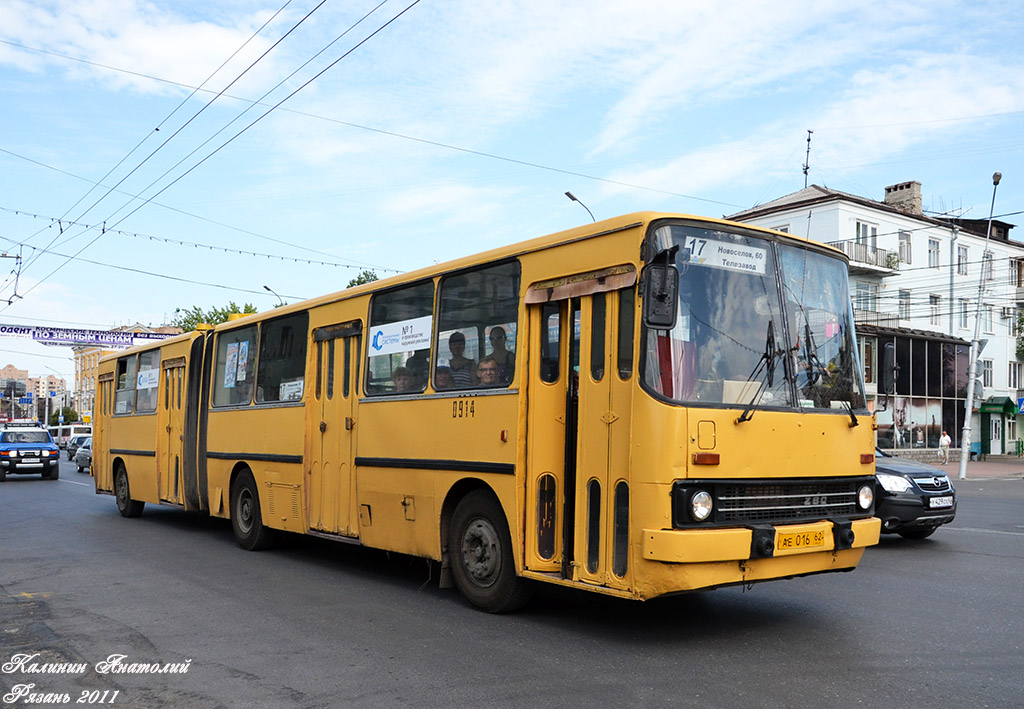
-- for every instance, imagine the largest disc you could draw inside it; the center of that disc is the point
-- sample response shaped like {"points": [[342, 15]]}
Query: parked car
{"points": [[28, 449], [73, 443], [83, 456], [912, 499]]}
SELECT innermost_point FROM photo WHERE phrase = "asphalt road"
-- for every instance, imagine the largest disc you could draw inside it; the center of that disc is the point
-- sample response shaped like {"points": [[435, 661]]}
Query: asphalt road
{"points": [[936, 623]]}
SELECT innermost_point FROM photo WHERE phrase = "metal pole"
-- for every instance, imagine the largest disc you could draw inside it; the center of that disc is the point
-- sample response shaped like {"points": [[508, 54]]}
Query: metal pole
{"points": [[972, 372]]}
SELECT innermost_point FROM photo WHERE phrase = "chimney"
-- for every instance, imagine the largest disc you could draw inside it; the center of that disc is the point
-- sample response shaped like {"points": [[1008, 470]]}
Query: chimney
{"points": [[905, 197]]}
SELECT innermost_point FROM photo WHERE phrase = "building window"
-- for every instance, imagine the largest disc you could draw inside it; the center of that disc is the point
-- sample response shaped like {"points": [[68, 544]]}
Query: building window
{"points": [[904, 305], [986, 265], [905, 249], [1017, 273], [784, 228], [1011, 428], [867, 296], [986, 373], [933, 253], [986, 318], [961, 260], [867, 358], [962, 310], [867, 234], [1013, 375], [934, 303]]}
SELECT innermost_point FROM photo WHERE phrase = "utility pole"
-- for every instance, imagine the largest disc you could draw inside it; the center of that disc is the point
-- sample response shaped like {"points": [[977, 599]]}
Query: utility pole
{"points": [[972, 373]]}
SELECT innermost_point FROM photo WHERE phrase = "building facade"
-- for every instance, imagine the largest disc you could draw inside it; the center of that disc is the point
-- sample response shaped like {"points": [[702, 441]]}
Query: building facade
{"points": [[914, 282]]}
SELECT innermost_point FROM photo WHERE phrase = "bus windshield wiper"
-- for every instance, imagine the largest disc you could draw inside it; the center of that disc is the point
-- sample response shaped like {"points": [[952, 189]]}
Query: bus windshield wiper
{"points": [[767, 360], [816, 368]]}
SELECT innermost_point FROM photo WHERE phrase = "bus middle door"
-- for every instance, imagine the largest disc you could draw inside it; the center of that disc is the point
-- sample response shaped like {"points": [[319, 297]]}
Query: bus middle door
{"points": [[329, 480], [170, 436]]}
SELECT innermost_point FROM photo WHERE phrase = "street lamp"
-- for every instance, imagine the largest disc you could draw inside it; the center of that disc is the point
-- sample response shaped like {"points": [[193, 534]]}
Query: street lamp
{"points": [[280, 300], [972, 372], [573, 197]]}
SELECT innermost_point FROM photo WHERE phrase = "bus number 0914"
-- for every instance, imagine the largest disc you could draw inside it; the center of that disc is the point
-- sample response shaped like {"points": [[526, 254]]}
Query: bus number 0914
{"points": [[464, 408]]}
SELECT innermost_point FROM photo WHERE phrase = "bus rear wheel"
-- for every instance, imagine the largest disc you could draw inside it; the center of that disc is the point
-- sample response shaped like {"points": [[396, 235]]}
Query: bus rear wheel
{"points": [[125, 504], [246, 519], [480, 553]]}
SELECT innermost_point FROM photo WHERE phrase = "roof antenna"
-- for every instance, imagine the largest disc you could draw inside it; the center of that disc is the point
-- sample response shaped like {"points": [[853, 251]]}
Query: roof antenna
{"points": [[807, 160]]}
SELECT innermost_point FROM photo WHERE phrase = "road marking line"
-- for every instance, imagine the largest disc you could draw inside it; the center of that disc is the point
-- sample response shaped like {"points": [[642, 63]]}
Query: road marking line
{"points": [[983, 531], [72, 482]]}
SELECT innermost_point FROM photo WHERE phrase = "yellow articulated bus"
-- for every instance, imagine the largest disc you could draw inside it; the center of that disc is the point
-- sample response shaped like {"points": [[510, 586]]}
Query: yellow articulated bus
{"points": [[647, 405]]}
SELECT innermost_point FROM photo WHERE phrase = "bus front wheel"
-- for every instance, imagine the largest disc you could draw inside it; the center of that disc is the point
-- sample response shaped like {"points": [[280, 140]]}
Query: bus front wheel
{"points": [[480, 552], [125, 504], [246, 519]]}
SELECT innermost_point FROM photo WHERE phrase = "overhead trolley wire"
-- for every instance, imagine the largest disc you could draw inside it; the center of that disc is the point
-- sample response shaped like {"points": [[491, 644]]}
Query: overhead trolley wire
{"points": [[230, 140]]}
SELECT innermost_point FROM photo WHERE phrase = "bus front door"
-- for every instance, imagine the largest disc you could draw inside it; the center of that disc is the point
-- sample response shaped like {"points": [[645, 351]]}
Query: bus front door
{"points": [[578, 494], [329, 482]]}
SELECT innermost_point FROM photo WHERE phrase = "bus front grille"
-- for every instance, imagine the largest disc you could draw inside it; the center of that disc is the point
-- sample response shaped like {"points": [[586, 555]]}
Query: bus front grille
{"points": [[769, 502]]}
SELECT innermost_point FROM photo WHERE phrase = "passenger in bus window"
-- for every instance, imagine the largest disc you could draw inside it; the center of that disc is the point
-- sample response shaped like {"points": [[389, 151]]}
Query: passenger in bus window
{"points": [[488, 371], [404, 380], [443, 377], [462, 367], [506, 360]]}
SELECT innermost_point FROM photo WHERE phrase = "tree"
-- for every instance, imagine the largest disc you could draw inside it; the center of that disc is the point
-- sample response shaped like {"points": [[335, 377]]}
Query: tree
{"points": [[69, 414], [189, 319], [363, 277]]}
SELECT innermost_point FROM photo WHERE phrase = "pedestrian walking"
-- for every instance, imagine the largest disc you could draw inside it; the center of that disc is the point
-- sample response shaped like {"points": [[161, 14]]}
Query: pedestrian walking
{"points": [[944, 442]]}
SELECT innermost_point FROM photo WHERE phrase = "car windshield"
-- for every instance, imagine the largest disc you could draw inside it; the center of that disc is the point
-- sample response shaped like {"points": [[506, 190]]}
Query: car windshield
{"points": [[760, 323], [26, 437]]}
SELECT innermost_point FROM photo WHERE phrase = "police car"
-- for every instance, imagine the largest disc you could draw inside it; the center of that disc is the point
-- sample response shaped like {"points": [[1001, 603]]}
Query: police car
{"points": [[26, 449]]}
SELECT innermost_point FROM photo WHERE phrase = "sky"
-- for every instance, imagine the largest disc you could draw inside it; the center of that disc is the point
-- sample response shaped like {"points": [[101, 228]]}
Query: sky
{"points": [[157, 156]]}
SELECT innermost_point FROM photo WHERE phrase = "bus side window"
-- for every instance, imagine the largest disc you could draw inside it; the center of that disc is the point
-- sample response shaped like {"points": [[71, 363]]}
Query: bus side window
{"points": [[398, 355], [234, 372], [125, 397], [480, 310], [282, 361]]}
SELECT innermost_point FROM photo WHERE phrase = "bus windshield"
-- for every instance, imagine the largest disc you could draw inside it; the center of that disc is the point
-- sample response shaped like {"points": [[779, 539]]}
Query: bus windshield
{"points": [[760, 323]]}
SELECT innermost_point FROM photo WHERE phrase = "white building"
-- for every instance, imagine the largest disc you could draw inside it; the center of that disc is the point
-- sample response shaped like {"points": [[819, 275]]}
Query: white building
{"points": [[914, 280]]}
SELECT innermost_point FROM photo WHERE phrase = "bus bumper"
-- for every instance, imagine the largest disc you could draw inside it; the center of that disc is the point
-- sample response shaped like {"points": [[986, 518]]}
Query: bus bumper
{"points": [[689, 546]]}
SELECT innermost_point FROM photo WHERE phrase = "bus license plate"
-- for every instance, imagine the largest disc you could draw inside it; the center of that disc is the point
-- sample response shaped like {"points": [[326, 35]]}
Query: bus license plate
{"points": [[801, 540], [944, 501]]}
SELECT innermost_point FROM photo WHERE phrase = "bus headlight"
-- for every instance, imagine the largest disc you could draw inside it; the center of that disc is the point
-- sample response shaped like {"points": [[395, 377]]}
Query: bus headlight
{"points": [[865, 497], [701, 506]]}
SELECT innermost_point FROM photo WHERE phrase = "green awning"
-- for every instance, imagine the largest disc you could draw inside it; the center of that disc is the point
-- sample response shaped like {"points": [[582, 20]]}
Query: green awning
{"points": [[998, 405]]}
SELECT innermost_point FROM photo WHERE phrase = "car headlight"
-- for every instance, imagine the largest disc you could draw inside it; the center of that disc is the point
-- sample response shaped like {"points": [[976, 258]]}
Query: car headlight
{"points": [[865, 497], [893, 483], [14, 454], [701, 505]]}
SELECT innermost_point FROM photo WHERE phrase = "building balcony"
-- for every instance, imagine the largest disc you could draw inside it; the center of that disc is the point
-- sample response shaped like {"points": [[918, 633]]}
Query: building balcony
{"points": [[866, 259], [873, 317]]}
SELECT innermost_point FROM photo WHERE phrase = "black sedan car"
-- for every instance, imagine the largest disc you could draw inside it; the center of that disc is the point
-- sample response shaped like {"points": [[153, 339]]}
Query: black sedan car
{"points": [[912, 499]]}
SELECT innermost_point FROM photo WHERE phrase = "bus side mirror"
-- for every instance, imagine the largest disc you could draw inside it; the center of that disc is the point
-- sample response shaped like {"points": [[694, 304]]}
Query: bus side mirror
{"points": [[661, 296]]}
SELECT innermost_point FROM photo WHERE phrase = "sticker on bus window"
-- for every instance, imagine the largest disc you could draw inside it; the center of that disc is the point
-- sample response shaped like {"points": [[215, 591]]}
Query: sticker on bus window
{"points": [[401, 336], [726, 254], [148, 379], [231, 366], [243, 360]]}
